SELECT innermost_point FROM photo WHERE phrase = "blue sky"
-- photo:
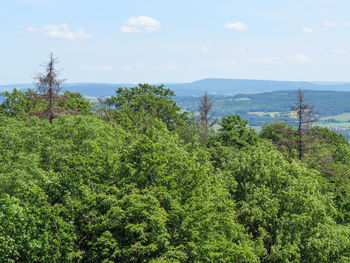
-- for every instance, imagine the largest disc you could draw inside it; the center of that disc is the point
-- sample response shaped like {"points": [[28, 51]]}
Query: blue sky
{"points": [[176, 41]]}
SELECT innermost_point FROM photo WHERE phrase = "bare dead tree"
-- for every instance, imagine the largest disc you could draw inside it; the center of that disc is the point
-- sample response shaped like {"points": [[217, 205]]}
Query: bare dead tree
{"points": [[48, 83], [305, 118], [205, 106]]}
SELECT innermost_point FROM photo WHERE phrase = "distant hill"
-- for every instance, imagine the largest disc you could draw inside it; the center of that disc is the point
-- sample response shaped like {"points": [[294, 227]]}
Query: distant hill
{"points": [[87, 89], [17, 86], [258, 101], [95, 89], [327, 103], [224, 87], [332, 107], [235, 86]]}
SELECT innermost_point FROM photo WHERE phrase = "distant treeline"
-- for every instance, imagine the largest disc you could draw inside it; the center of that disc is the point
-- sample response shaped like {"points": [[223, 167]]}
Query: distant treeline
{"points": [[327, 103]]}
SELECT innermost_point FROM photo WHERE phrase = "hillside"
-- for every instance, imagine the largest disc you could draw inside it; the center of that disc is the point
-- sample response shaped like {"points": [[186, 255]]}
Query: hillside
{"points": [[224, 87], [261, 109], [235, 86], [327, 103]]}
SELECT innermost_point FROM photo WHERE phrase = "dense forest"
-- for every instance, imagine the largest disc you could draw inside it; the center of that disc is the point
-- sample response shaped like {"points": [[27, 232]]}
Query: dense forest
{"points": [[262, 109], [327, 103], [135, 179]]}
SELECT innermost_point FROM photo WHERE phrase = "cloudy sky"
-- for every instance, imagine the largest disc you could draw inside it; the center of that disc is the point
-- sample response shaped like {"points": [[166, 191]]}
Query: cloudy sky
{"points": [[135, 41]]}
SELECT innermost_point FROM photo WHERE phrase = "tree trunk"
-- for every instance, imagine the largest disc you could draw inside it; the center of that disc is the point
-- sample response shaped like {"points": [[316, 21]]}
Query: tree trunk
{"points": [[50, 105]]}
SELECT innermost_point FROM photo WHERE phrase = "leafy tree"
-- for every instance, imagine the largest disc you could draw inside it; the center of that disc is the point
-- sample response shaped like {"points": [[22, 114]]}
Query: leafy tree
{"points": [[295, 134], [75, 102], [17, 103], [285, 205], [147, 99], [283, 137], [26, 104], [192, 131], [235, 132], [128, 196], [330, 156], [337, 172]]}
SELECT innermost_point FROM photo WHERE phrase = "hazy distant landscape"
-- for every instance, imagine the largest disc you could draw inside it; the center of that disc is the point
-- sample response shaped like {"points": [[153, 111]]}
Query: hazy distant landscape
{"points": [[223, 87], [258, 101]]}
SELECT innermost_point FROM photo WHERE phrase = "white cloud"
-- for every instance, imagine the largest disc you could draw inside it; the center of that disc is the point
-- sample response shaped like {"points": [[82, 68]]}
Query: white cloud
{"points": [[232, 62], [329, 24], [224, 63], [128, 68], [140, 24], [299, 58], [241, 50], [141, 65], [239, 26], [30, 1], [59, 32], [267, 60], [296, 58], [170, 66], [334, 24], [340, 51], [204, 49], [307, 30], [103, 68], [31, 29]]}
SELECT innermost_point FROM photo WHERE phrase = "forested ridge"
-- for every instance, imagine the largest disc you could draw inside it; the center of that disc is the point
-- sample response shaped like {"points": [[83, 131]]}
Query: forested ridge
{"points": [[327, 103], [135, 179]]}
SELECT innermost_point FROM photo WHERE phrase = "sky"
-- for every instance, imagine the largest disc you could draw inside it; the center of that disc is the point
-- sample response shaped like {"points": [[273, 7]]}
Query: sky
{"points": [[159, 41]]}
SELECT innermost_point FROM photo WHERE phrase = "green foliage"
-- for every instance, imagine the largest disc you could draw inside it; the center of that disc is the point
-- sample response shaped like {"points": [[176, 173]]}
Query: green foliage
{"points": [[285, 206], [16, 103], [106, 194], [330, 156], [338, 171], [77, 102], [147, 99], [339, 145], [129, 190], [23, 104], [125, 227], [327, 103], [283, 137], [235, 132]]}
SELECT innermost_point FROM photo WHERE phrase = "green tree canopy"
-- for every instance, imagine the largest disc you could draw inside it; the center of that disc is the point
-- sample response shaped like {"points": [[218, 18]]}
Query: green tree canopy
{"points": [[23, 104], [235, 132], [90, 190], [148, 99]]}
